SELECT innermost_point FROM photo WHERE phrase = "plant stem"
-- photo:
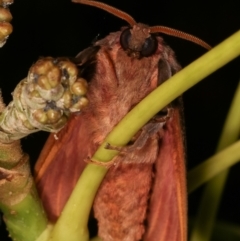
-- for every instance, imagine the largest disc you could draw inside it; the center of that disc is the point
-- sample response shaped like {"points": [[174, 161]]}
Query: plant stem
{"points": [[213, 191], [213, 166], [26, 220], [73, 221], [23, 213], [222, 231]]}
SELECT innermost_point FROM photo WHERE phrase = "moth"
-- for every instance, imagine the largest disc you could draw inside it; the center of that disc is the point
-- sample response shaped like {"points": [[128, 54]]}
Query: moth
{"points": [[143, 196]]}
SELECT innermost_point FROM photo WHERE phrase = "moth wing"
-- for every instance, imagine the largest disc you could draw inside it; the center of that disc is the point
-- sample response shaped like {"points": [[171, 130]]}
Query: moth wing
{"points": [[167, 209], [60, 164]]}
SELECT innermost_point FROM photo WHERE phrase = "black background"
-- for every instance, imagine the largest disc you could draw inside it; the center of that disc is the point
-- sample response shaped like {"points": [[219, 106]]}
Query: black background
{"points": [[60, 28]]}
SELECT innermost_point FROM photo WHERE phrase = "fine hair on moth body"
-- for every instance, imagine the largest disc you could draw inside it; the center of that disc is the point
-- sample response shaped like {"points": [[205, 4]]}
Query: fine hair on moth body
{"points": [[143, 196]]}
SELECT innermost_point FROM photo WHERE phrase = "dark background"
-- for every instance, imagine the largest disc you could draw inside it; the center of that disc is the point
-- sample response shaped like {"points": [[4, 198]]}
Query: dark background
{"points": [[60, 28]]}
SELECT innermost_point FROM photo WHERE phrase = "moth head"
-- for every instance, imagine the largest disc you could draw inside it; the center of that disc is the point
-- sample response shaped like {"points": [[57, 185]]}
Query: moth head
{"points": [[139, 39]]}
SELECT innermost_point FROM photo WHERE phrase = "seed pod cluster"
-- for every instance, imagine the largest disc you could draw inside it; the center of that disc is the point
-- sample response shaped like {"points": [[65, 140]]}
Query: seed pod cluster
{"points": [[45, 99], [5, 19]]}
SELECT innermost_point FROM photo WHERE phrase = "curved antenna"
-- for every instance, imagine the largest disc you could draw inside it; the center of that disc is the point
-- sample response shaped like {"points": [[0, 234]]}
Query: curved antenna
{"points": [[109, 9], [179, 34], [154, 29]]}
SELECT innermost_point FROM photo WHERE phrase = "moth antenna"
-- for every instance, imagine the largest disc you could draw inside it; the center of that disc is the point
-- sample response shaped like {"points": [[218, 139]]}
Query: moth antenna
{"points": [[179, 34], [154, 29], [109, 9]]}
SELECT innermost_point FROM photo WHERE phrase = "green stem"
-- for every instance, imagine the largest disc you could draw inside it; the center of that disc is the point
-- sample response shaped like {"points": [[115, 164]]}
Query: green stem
{"points": [[26, 220], [23, 213], [222, 231], [73, 221], [213, 166], [79, 205], [203, 227]]}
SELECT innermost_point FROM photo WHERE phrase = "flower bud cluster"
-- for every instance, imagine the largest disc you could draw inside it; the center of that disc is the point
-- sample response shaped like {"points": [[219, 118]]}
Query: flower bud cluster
{"points": [[5, 19], [45, 99]]}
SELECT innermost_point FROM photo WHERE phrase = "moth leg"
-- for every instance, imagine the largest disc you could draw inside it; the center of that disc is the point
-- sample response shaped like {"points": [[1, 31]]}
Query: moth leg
{"points": [[164, 115], [150, 130], [108, 164]]}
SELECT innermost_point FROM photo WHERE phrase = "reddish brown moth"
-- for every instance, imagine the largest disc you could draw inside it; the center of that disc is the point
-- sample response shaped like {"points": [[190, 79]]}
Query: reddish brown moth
{"points": [[143, 196]]}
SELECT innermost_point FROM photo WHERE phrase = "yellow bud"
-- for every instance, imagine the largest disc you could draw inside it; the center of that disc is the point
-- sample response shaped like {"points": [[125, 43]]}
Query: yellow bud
{"points": [[42, 66], [5, 30], [43, 82], [83, 102], [40, 116], [71, 69], [35, 93], [53, 115], [5, 15], [67, 99], [83, 81], [62, 121], [79, 88], [54, 77]]}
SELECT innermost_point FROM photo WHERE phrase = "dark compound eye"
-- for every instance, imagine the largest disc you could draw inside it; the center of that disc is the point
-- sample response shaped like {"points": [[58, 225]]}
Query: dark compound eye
{"points": [[125, 38], [147, 49]]}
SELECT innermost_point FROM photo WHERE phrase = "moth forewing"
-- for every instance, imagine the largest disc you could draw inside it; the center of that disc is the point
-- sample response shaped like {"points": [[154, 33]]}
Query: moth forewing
{"points": [[168, 202]]}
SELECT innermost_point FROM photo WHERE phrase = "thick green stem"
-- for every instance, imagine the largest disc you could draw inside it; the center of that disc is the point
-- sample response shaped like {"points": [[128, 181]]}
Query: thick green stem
{"points": [[25, 220], [74, 219], [23, 213]]}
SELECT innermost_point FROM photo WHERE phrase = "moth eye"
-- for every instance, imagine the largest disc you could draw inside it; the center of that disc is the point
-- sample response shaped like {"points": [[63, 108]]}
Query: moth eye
{"points": [[125, 38], [149, 46]]}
